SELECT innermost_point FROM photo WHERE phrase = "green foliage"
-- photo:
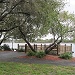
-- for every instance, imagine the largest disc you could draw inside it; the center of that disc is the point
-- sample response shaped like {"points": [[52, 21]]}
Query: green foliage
{"points": [[67, 55], [6, 47], [50, 17], [30, 53], [20, 50], [37, 54], [41, 14], [40, 54]]}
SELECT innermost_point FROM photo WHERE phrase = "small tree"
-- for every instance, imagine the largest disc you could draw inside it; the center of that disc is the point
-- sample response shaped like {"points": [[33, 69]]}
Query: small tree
{"points": [[6, 47]]}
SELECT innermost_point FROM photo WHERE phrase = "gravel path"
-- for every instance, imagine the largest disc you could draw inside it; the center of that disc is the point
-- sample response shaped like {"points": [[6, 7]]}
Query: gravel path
{"points": [[10, 56]]}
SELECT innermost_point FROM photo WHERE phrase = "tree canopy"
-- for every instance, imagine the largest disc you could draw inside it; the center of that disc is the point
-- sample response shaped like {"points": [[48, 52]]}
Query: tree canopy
{"points": [[28, 19], [39, 13]]}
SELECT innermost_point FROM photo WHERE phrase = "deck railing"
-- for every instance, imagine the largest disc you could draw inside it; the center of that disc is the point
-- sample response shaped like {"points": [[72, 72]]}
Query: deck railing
{"points": [[58, 50]]}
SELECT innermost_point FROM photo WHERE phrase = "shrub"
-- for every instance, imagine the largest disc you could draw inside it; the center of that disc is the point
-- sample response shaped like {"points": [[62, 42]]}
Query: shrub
{"points": [[30, 53], [67, 55], [21, 50], [40, 54], [6, 47]]}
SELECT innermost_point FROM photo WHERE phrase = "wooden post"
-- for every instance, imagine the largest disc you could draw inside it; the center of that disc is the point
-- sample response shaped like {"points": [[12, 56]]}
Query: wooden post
{"points": [[25, 48], [41, 46], [18, 46], [34, 46], [57, 49], [71, 47], [65, 47], [44, 46]]}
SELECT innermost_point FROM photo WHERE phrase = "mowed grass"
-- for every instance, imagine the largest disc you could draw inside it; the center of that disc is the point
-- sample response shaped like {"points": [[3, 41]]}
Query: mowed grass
{"points": [[7, 68]]}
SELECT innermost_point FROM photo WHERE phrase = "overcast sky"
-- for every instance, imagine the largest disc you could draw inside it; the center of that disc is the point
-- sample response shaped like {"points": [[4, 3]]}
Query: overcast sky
{"points": [[70, 6]]}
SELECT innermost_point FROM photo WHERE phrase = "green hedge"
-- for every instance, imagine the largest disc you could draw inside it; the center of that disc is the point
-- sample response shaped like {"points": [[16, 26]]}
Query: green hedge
{"points": [[21, 50], [37, 54], [30, 53], [67, 55], [40, 54]]}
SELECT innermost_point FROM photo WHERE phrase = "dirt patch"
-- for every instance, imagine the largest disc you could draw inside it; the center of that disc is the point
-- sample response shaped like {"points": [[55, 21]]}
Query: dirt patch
{"points": [[48, 57], [73, 59], [52, 57]]}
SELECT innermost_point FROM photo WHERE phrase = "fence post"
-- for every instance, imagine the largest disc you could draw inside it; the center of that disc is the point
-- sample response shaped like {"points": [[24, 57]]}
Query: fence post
{"points": [[18, 46], [71, 47], [41, 46], [44, 46], [57, 49], [34, 47], [25, 48], [65, 47]]}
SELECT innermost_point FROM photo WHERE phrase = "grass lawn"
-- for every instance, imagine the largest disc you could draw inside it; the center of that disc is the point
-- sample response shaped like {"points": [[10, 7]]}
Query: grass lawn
{"points": [[34, 69]]}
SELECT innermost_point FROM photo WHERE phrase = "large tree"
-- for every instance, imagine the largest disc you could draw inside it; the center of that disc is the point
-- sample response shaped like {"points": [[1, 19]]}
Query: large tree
{"points": [[32, 17], [63, 28], [43, 15], [52, 23]]}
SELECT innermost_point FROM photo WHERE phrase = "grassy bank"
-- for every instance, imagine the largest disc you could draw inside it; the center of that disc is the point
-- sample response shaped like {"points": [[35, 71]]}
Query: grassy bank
{"points": [[34, 69]]}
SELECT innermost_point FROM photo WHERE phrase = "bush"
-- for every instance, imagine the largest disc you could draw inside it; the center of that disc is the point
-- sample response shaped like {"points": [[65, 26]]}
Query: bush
{"points": [[6, 47], [40, 54], [67, 55], [30, 53], [37, 54], [21, 50]]}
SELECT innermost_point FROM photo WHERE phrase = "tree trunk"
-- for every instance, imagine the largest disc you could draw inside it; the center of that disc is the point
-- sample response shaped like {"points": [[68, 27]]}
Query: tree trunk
{"points": [[24, 37], [7, 30], [53, 45], [3, 38], [2, 41]]}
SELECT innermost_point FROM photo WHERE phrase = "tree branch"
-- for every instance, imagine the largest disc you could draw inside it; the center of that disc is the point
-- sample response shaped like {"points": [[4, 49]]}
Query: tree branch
{"points": [[53, 45], [3, 38], [6, 30], [26, 13], [3, 1], [24, 37], [13, 7], [7, 33]]}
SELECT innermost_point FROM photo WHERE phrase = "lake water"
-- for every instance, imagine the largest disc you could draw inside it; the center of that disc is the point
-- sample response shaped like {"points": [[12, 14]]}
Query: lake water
{"points": [[15, 45]]}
